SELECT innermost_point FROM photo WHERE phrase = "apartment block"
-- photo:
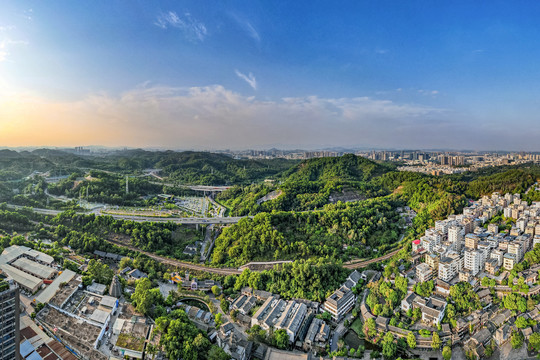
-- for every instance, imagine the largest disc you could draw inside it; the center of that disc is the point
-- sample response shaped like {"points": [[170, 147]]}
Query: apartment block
{"points": [[433, 261], [9, 321], [424, 272], [509, 261]]}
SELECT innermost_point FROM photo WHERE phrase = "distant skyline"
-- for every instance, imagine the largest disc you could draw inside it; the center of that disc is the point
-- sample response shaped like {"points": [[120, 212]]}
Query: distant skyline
{"points": [[258, 74]]}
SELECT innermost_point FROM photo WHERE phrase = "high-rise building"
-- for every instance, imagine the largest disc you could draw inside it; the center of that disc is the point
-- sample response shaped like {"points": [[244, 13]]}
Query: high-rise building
{"points": [[455, 236], [471, 241], [516, 249], [9, 321], [473, 261]]}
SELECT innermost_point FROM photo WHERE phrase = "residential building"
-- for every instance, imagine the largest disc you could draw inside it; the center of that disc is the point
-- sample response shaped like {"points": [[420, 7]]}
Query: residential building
{"points": [[432, 308], [509, 261], [473, 261], [340, 302], [343, 299], [471, 241], [449, 267], [498, 255], [9, 321], [493, 228], [455, 236], [433, 261], [424, 272], [492, 266], [516, 249]]}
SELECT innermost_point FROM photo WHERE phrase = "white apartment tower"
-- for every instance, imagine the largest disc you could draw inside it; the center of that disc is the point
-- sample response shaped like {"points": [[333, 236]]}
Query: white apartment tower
{"points": [[473, 261]]}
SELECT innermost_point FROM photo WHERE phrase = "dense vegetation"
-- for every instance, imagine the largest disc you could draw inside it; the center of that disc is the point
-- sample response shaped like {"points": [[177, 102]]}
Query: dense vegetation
{"points": [[298, 279], [181, 339], [87, 232], [326, 208], [337, 232], [309, 185]]}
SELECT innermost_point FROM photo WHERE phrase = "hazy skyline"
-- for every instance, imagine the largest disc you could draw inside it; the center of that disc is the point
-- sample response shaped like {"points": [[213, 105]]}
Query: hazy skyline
{"points": [[242, 74]]}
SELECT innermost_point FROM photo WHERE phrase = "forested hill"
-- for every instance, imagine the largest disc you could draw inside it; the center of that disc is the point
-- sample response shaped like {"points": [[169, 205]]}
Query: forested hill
{"points": [[203, 168], [310, 185], [344, 168], [15, 165], [188, 167]]}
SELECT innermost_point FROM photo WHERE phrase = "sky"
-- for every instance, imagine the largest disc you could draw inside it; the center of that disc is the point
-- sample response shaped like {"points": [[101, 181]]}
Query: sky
{"points": [[258, 74]]}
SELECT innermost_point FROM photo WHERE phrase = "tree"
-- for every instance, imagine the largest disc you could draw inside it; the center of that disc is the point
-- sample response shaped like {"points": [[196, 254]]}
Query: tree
{"points": [[142, 297], [217, 320], [447, 352], [224, 304], [401, 284], [152, 350], [126, 262], [411, 340], [217, 353], [416, 314], [100, 272], [281, 338], [216, 290], [517, 339], [370, 328], [389, 347], [534, 341], [521, 322], [436, 341]]}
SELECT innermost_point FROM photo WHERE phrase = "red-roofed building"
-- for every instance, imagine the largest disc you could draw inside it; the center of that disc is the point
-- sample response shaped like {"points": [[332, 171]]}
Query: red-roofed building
{"points": [[415, 245]]}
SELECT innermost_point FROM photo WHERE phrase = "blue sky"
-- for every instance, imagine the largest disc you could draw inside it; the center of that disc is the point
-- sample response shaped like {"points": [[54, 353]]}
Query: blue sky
{"points": [[240, 74]]}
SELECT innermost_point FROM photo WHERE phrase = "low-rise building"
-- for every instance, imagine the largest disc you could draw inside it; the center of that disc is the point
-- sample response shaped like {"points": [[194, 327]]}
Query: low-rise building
{"points": [[340, 302], [491, 266], [424, 272], [432, 308], [433, 261]]}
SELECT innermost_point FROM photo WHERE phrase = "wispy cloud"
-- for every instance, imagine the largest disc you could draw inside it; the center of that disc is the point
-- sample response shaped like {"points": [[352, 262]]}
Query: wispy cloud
{"points": [[250, 79], [29, 14], [428, 92], [6, 28], [193, 29], [5, 44], [248, 28], [226, 118]]}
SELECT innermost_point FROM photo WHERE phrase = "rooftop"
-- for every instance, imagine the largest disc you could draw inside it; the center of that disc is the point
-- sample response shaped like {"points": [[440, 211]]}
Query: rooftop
{"points": [[34, 268], [65, 277], [20, 277]]}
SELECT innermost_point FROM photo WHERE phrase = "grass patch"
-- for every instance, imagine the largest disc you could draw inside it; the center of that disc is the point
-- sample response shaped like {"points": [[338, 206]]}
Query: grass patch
{"points": [[128, 341], [357, 326]]}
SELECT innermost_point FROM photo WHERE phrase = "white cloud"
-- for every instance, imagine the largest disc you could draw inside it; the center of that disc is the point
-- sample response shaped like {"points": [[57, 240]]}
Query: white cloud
{"points": [[248, 28], [250, 79], [193, 29], [6, 44], [215, 117]]}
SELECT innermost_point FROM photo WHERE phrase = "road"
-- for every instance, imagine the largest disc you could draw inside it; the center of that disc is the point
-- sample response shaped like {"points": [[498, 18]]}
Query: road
{"points": [[206, 243], [177, 263], [193, 220], [193, 187], [362, 264]]}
